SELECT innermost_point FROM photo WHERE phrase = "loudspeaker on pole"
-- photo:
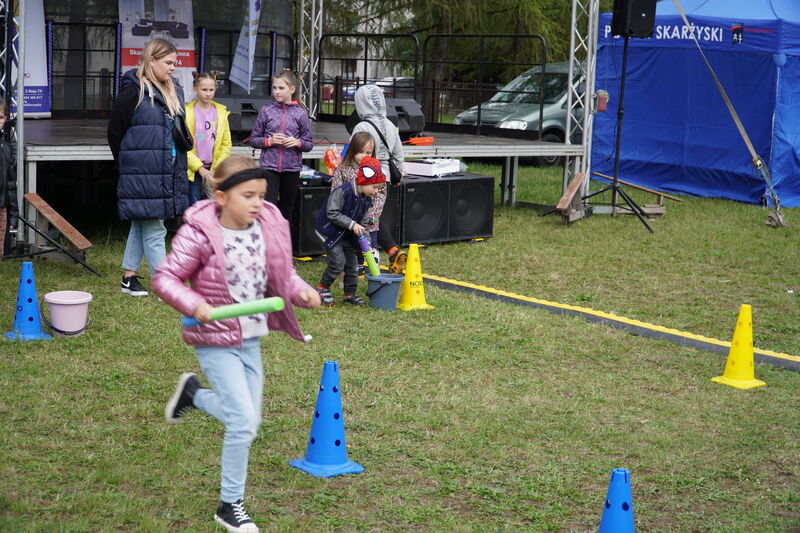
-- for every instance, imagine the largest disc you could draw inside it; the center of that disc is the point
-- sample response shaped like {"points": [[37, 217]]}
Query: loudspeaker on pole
{"points": [[633, 18]]}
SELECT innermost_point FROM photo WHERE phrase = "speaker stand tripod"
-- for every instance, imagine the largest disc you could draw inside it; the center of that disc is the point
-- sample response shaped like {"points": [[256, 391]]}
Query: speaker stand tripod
{"points": [[615, 187]]}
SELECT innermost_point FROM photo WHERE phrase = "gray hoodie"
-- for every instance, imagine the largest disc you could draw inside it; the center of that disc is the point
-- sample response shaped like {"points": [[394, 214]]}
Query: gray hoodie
{"points": [[371, 105]]}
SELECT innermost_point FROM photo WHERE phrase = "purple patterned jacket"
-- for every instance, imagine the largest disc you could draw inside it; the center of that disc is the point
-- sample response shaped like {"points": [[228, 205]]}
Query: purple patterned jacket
{"points": [[197, 255], [290, 119]]}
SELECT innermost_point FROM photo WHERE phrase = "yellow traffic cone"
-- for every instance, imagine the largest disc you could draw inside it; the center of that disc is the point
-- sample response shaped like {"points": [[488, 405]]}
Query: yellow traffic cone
{"points": [[739, 370], [412, 291]]}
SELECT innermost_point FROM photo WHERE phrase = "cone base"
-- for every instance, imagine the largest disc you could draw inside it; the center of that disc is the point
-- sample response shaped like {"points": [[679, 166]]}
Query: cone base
{"points": [[411, 307], [739, 383], [318, 470], [17, 336]]}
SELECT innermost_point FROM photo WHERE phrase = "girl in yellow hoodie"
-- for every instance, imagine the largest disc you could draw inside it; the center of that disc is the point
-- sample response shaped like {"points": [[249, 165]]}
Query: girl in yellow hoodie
{"points": [[208, 123]]}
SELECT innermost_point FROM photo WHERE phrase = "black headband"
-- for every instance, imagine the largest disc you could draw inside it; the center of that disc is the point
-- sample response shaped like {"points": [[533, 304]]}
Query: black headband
{"points": [[242, 176]]}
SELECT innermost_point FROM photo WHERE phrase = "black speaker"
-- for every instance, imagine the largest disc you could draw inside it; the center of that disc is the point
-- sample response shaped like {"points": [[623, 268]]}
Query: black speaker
{"points": [[390, 216], [453, 208], [308, 203], [633, 18], [243, 111], [405, 113]]}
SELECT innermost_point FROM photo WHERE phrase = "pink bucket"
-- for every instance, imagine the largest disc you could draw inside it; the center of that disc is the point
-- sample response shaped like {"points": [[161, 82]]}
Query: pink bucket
{"points": [[69, 312]]}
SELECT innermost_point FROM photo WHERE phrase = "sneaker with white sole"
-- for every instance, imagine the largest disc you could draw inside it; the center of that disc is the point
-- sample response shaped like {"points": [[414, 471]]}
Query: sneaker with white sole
{"points": [[234, 518], [130, 285], [182, 400], [325, 296]]}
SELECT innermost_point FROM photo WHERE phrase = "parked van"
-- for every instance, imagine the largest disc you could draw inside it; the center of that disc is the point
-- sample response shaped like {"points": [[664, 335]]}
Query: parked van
{"points": [[516, 106]]}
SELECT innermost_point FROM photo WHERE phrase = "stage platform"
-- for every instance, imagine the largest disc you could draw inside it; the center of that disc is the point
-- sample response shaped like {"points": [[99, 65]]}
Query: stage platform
{"points": [[85, 140]]}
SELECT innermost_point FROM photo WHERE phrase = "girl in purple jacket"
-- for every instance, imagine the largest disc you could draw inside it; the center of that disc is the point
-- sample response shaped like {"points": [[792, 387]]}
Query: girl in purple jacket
{"points": [[282, 133], [234, 248]]}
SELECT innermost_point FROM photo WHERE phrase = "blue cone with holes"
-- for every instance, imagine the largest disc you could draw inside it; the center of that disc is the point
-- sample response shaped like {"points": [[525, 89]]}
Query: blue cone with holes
{"points": [[326, 455], [27, 324], [618, 511]]}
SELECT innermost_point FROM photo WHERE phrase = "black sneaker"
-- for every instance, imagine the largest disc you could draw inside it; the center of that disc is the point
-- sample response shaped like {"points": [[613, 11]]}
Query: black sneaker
{"points": [[325, 296], [353, 299], [181, 401], [233, 517], [131, 285]]}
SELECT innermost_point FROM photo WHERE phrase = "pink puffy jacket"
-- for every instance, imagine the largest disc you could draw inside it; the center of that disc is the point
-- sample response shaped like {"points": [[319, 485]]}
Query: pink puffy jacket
{"points": [[197, 255]]}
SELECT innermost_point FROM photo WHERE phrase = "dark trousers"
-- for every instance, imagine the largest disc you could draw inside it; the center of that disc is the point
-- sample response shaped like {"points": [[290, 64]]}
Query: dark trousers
{"points": [[342, 257], [282, 191]]}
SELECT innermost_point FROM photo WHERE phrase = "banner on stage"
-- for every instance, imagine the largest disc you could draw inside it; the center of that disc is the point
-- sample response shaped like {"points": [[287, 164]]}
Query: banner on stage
{"points": [[37, 88], [169, 19], [242, 66]]}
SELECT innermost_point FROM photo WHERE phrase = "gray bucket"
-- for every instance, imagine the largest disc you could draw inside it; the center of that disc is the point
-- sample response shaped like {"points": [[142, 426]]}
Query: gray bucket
{"points": [[384, 290]]}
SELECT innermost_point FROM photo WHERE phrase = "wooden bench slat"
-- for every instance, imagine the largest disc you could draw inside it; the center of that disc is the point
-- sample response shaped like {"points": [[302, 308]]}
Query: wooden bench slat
{"points": [[572, 189], [634, 186], [65, 228]]}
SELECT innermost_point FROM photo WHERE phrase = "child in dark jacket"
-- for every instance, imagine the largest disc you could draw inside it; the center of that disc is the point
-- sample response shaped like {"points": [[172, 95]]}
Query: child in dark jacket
{"points": [[342, 218], [282, 133], [9, 210]]}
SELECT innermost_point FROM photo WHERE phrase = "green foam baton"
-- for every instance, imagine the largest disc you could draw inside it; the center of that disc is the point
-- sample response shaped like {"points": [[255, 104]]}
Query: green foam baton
{"points": [[367, 249], [265, 305]]}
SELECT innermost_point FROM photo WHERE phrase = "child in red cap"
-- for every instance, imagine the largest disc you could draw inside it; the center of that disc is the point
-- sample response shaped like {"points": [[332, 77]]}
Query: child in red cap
{"points": [[339, 223]]}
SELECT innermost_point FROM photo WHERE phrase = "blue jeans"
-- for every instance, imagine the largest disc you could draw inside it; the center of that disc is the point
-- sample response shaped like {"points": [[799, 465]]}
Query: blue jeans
{"points": [[145, 239], [237, 378], [196, 190]]}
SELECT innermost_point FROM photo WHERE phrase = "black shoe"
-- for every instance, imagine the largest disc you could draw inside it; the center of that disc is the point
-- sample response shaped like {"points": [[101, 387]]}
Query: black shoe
{"points": [[131, 285], [181, 401], [233, 517], [352, 299], [325, 296]]}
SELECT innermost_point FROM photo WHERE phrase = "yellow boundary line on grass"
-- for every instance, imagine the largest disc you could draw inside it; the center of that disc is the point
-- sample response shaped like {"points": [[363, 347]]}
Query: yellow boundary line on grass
{"points": [[619, 322]]}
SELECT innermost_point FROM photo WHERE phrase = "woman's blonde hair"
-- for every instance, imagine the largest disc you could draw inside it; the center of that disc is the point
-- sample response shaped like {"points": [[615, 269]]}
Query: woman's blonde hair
{"points": [[157, 49], [358, 142], [228, 167]]}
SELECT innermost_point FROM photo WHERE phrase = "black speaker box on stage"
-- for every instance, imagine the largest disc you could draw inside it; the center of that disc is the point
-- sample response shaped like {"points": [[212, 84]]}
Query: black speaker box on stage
{"points": [[405, 113], [309, 201], [451, 208], [243, 111], [633, 18]]}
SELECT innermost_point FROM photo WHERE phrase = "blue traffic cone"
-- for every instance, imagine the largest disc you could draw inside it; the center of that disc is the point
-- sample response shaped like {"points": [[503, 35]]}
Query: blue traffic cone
{"points": [[27, 324], [326, 455], [618, 512]]}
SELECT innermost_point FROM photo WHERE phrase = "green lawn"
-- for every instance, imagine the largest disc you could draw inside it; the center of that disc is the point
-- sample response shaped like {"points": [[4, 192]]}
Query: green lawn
{"points": [[475, 416]]}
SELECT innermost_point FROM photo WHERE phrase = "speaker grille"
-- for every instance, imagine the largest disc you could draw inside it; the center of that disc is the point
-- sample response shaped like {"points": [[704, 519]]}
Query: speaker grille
{"points": [[304, 238], [424, 212], [471, 208], [453, 208]]}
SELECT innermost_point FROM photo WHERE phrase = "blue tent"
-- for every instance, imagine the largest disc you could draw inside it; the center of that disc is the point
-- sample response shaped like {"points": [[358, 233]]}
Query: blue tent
{"points": [[677, 134]]}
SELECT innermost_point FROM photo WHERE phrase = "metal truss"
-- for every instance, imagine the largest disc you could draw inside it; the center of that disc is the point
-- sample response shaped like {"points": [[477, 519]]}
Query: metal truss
{"points": [[309, 31], [8, 51], [581, 97]]}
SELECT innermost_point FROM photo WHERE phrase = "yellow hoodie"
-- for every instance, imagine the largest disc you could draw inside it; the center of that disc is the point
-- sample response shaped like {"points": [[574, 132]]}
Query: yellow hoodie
{"points": [[222, 144]]}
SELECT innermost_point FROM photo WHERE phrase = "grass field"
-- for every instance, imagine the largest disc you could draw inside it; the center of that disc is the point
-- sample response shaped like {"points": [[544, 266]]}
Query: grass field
{"points": [[475, 416]]}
